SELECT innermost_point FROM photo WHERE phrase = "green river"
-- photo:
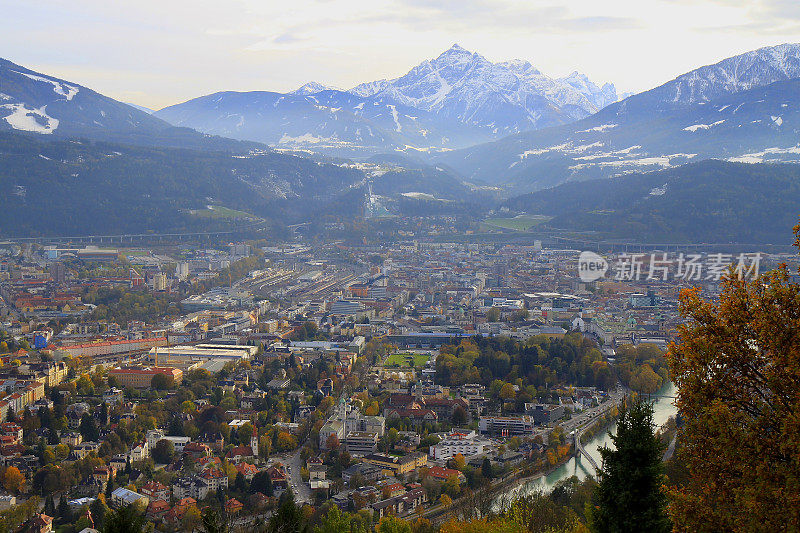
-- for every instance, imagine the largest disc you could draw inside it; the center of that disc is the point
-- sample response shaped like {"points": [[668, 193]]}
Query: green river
{"points": [[664, 408]]}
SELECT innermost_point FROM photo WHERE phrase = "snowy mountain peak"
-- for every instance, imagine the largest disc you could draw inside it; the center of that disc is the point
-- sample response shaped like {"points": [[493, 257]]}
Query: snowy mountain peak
{"points": [[506, 97], [369, 88], [456, 57], [520, 66], [312, 87], [456, 49], [734, 74]]}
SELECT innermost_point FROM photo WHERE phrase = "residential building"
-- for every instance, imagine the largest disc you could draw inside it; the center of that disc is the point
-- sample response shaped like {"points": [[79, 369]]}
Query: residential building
{"points": [[361, 442], [141, 377], [506, 425]]}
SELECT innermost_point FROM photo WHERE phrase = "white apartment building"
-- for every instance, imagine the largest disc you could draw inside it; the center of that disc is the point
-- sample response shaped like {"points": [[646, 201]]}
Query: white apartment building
{"points": [[464, 443], [155, 435], [506, 425]]}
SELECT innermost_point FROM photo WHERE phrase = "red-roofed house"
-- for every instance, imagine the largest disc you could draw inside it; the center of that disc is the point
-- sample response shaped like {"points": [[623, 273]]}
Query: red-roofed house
{"points": [[40, 523], [209, 462], [215, 478], [440, 473], [247, 470], [240, 453], [10, 429], [278, 476], [233, 506], [155, 491], [197, 449], [157, 510]]}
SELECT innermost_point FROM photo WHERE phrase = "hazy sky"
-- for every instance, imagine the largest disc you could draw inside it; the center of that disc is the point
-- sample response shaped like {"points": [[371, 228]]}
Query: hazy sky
{"points": [[157, 53]]}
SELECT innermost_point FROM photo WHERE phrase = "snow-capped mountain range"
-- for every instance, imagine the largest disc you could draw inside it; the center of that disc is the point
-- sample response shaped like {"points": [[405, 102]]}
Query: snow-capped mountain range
{"points": [[507, 97], [457, 110], [455, 100], [738, 73], [742, 109]]}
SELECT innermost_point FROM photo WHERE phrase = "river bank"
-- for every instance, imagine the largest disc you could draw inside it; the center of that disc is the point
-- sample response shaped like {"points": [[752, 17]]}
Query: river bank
{"points": [[663, 408]]}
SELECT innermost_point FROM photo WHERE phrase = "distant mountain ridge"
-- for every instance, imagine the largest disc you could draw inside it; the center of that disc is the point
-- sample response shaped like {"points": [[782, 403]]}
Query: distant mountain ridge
{"points": [[735, 74], [44, 105], [455, 100], [744, 108], [332, 122], [706, 202]]}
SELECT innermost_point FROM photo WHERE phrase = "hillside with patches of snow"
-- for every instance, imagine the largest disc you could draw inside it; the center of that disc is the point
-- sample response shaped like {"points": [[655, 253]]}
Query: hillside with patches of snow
{"points": [[734, 74], [332, 122], [707, 202], [35, 103], [738, 120]]}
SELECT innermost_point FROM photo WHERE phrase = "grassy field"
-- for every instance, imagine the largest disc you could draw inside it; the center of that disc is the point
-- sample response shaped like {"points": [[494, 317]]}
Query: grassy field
{"points": [[404, 359], [519, 223]]}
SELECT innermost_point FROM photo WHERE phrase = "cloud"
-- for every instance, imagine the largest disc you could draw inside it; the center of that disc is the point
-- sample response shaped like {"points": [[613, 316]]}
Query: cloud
{"points": [[600, 23], [288, 38]]}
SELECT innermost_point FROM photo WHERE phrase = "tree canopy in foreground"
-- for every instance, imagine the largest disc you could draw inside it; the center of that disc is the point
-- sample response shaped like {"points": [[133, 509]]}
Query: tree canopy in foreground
{"points": [[737, 369]]}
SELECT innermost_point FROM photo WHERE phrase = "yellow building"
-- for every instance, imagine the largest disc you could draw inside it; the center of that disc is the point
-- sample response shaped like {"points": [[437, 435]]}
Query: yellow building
{"points": [[141, 377], [395, 466]]}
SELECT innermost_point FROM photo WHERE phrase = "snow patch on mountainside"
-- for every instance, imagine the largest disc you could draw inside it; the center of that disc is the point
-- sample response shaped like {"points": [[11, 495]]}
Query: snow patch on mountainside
{"points": [[601, 128], [306, 138], [67, 91], [397, 127], [759, 157], [26, 119], [694, 127], [663, 161]]}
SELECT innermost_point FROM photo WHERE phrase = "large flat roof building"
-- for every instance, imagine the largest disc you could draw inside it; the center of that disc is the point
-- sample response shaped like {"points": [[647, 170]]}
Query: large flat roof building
{"points": [[180, 355]]}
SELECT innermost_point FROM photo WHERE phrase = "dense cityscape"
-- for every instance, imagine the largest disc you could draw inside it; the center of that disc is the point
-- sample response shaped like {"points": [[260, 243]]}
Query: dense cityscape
{"points": [[396, 380]]}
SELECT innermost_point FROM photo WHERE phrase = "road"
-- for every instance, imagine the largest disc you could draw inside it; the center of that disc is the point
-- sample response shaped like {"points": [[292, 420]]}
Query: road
{"points": [[580, 420], [293, 464]]}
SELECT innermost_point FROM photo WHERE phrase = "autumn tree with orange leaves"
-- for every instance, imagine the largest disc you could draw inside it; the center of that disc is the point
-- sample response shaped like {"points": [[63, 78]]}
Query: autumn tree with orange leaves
{"points": [[737, 368]]}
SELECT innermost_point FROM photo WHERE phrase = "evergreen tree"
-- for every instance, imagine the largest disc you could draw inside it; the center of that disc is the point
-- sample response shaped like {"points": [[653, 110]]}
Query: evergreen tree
{"points": [[268, 489], [287, 518], [40, 449], [109, 487], [240, 483], [63, 512], [45, 417], [99, 510], [88, 428], [214, 521], [124, 520], [49, 506], [630, 497], [176, 427], [486, 468]]}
